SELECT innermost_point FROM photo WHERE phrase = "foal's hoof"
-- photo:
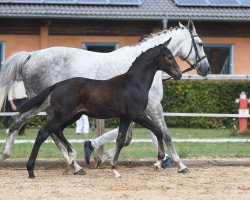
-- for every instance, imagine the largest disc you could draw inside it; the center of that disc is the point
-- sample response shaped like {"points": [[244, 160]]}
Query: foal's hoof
{"points": [[80, 172], [184, 171], [157, 166], [32, 176], [116, 173]]}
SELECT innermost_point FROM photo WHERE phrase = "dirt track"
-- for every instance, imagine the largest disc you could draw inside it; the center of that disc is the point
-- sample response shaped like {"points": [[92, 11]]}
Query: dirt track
{"points": [[214, 182]]}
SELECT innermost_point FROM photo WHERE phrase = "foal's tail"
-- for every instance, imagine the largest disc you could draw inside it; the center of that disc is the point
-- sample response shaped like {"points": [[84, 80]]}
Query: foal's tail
{"points": [[36, 101], [12, 68]]}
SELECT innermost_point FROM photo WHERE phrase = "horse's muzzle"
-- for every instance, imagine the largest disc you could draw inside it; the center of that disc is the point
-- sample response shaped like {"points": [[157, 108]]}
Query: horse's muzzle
{"points": [[177, 77], [203, 71]]}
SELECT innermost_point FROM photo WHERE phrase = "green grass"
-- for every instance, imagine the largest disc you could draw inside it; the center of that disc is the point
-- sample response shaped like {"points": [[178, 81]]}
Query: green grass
{"points": [[146, 150], [141, 133]]}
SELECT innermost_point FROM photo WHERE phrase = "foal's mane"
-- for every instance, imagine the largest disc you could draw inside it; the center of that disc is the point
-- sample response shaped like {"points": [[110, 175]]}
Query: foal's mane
{"points": [[147, 55]]}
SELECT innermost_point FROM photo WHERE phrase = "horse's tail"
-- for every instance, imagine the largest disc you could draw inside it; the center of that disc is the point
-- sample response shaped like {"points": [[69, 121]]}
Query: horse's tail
{"points": [[11, 69], [35, 101]]}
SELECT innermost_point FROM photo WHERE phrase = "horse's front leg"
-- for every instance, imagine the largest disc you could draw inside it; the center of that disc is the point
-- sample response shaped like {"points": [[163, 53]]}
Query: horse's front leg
{"points": [[155, 112], [120, 141], [168, 140]]}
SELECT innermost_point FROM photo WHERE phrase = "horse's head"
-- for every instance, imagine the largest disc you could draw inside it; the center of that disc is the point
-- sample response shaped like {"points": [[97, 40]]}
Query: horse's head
{"points": [[167, 63], [192, 51]]}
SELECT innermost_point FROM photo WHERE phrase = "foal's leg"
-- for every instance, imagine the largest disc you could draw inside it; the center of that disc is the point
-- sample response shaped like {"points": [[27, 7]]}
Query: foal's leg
{"points": [[147, 123], [106, 138], [70, 154], [155, 112], [42, 135], [120, 141], [63, 149]]}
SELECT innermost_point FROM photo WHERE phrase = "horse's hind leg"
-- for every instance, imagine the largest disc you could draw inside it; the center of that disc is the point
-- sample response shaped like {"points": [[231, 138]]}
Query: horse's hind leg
{"points": [[17, 122], [120, 141], [70, 153]]}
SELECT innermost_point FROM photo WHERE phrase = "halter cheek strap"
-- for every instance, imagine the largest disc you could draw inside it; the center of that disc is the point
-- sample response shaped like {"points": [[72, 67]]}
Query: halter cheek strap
{"points": [[197, 56]]}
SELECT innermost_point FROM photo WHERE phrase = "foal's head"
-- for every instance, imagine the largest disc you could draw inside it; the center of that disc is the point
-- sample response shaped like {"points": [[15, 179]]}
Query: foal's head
{"points": [[167, 63]]}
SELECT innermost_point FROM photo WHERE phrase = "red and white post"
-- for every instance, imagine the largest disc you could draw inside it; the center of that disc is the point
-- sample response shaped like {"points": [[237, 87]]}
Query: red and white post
{"points": [[243, 112]]}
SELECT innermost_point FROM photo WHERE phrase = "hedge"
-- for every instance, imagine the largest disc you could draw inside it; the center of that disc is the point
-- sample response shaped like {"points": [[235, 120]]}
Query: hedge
{"points": [[191, 97], [202, 97]]}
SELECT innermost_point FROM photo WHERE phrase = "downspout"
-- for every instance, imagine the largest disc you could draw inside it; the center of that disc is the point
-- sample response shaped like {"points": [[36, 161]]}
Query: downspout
{"points": [[165, 23]]}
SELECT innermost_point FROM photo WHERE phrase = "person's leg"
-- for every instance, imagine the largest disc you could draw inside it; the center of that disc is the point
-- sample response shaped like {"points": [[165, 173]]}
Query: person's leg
{"points": [[7, 119], [85, 124], [90, 146], [79, 126]]}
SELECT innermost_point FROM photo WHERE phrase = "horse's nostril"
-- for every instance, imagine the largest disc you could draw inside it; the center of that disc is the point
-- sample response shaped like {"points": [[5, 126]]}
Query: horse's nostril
{"points": [[209, 70]]}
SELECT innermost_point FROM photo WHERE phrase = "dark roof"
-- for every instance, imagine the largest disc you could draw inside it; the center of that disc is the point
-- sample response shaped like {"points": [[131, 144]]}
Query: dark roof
{"points": [[149, 9]]}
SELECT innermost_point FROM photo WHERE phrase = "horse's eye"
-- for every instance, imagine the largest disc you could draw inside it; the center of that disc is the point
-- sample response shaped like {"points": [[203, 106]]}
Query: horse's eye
{"points": [[200, 44]]}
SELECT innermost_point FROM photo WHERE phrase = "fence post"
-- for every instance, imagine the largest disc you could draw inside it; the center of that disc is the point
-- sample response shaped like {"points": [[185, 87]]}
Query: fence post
{"points": [[100, 125]]}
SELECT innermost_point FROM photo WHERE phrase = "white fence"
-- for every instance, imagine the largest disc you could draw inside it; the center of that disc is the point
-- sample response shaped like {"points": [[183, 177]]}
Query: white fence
{"points": [[212, 77], [166, 114]]}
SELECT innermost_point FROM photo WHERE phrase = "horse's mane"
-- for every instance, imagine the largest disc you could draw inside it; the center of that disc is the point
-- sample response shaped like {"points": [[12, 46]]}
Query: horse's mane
{"points": [[152, 35]]}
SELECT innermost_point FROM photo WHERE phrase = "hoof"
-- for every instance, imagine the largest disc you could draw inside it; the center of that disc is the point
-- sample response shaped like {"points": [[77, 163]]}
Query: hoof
{"points": [[184, 171], [116, 173], [4, 156], [97, 162], [80, 172], [118, 176], [31, 175], [157, 166]]}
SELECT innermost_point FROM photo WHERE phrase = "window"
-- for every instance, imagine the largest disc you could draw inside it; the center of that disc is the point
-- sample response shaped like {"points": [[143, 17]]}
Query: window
{"points": [[100, 47], [1, 55], [220, 58]]}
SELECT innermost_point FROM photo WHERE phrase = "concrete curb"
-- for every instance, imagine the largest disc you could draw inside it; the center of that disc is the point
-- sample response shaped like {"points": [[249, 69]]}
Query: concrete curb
{"points": [[60, 163]]}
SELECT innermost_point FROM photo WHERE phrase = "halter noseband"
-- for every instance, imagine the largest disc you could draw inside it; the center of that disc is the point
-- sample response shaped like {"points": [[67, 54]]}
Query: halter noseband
{"points": [[197, 56]]}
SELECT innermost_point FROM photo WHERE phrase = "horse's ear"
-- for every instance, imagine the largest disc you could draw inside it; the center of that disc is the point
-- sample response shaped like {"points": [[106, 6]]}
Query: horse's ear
{"points": [[191, 26], [167, 42], [180, 25], [164, 45]]}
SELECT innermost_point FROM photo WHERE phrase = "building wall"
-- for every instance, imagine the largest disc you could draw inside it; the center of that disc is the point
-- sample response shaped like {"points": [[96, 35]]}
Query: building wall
{"points": [[21, 42], [16, 43], [241, 51]]}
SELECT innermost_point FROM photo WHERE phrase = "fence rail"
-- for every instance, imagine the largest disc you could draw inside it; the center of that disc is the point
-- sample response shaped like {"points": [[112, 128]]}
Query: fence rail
{"points": [[166, 114], [14, 113], [213, 77]]}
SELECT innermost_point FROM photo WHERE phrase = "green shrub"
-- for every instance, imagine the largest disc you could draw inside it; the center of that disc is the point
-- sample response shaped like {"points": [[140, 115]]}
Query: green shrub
{"points": [[202, 97], [191, 97]]}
